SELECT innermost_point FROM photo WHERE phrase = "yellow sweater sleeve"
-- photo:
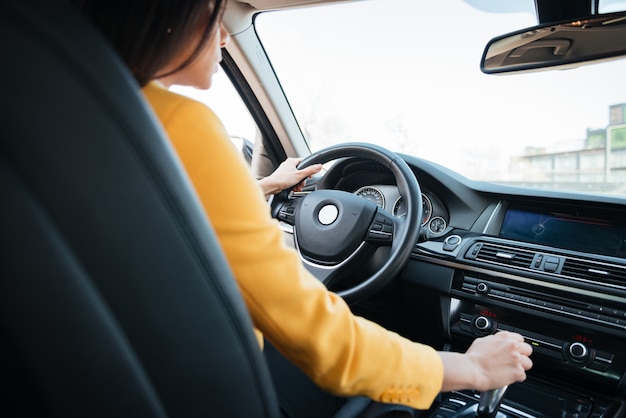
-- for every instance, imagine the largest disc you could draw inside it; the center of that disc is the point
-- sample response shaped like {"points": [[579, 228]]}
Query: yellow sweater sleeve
{"points": [[311, 326]]}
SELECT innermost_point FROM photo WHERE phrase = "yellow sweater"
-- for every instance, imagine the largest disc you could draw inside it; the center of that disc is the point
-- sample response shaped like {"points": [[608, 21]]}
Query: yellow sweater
{"points": [[311, 326]]}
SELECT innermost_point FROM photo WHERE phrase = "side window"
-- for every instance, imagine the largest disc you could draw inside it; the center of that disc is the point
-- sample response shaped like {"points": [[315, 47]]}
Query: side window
{"points": [[224, 100]]}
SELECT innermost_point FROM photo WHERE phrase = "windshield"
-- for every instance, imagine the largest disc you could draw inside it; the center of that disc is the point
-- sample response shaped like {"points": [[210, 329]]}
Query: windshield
{"points": [[405, 74]]}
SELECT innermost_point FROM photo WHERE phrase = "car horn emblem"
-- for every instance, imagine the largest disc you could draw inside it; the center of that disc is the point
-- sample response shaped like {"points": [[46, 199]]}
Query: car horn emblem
{"points": [[328, 214]]}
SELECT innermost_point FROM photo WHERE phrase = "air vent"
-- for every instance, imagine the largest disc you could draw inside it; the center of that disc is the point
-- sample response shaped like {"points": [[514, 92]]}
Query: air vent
{"points": [[584, 270], [597, 272], [502, 255]]}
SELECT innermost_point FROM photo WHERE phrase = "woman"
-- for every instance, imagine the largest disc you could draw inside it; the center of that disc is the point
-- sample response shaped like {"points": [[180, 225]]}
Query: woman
{"points": [[167, 42]]}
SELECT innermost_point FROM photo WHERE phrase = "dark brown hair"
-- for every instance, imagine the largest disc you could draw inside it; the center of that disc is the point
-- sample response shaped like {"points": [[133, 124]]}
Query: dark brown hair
{"points": [[148, 34]]}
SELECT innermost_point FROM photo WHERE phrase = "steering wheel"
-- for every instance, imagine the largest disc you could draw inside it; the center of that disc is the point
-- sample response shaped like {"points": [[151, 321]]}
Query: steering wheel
{"points": [[339, 235]]}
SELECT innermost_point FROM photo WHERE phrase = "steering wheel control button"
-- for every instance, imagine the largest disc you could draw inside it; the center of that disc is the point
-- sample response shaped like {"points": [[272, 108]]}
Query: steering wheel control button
{"points": [[287, 212], [381, 229], [451, 242], [328, 214]]}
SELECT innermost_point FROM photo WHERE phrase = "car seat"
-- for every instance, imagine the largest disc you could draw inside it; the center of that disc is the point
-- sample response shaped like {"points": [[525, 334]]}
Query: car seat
{"points": [[115, 299]]}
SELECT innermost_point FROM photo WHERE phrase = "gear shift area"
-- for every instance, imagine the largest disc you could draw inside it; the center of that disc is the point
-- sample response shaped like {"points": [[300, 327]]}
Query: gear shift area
{"points": [[462, 406], [490, 402], [529, 399]]}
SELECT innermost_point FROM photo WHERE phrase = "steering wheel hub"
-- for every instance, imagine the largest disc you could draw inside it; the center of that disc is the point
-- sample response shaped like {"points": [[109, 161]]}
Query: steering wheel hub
{"points": [[330, 225]]}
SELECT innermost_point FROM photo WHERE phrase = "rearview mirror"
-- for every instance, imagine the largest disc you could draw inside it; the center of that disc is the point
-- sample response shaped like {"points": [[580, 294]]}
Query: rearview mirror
{"points": [[557, 45]]}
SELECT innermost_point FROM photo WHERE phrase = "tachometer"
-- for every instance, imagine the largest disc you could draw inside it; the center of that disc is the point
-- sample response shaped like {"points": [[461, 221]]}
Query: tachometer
{"points": [[372, 194], [399, 208]]}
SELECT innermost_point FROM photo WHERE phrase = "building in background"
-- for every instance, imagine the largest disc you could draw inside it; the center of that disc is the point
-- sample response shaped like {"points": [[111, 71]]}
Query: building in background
{"points": [[599, 165]]}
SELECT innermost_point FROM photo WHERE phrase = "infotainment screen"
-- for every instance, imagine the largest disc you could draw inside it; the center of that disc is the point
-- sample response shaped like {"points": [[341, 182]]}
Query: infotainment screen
{"points": [[565, 230]]}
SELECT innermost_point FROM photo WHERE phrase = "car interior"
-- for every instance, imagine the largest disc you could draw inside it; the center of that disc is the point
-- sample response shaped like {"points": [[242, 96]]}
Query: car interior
{"points": [[117, 301]]}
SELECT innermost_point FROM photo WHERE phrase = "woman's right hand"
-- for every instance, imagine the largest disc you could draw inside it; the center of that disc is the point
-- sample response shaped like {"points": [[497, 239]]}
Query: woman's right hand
{"points": [[490, 362]]}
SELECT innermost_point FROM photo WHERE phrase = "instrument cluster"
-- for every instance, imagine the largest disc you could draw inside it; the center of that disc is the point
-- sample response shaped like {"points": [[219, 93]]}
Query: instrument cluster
{"points": [[434, 215]]}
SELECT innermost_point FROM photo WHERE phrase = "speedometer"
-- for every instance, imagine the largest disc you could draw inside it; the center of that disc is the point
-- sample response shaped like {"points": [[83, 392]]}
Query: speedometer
{"points": [[372, 194], [399, 209]]}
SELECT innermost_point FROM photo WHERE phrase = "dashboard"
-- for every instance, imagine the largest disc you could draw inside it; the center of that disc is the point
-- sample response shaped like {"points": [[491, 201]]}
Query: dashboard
{"points": [[550, 266]]}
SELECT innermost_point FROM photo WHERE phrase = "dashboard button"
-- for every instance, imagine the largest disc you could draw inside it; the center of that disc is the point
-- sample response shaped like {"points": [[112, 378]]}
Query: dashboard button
{"points": [[482, 288], [578, 353], [451, 242], [483, 325]]}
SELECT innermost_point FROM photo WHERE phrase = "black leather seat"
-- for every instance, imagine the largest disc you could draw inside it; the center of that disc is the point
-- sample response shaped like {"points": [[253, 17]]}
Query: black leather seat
{"points": [[115, 299]]}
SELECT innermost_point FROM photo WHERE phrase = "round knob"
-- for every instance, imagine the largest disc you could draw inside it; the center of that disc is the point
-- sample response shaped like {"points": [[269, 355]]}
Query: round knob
{"points": [[482, 288], [578, 351], [453, 240], [483, 324]]}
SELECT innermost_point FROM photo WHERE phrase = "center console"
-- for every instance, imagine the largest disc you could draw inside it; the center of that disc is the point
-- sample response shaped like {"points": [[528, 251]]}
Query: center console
{"points": [[556, 277], [579, 348]]}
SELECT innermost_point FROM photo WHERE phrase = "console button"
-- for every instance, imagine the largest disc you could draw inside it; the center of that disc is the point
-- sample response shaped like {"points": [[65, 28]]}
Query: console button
{"points": [[451, 242], [482, 288], [483, 325], [578, 353]]}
